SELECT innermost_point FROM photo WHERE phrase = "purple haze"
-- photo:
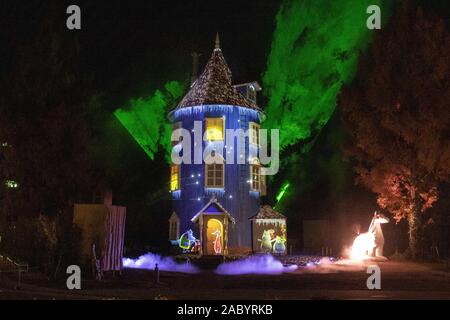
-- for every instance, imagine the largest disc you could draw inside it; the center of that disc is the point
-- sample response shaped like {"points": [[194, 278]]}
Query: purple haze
{"points": [[259, 264], [149, 260]]}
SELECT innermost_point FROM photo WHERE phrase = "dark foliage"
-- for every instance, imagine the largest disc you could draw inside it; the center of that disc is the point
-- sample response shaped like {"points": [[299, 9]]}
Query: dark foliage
{"points": [[396, 113]]}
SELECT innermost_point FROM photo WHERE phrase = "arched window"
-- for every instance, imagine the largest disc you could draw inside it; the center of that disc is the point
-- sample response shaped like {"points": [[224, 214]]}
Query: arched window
{"points": [[174, 227]]}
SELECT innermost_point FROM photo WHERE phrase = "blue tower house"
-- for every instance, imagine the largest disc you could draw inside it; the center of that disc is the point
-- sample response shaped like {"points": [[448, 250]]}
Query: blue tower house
{"points": [[216, 199]]}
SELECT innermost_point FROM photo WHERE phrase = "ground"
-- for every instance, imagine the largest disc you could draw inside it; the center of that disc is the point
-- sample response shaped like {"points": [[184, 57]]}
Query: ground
{"points": [[399, 280]]}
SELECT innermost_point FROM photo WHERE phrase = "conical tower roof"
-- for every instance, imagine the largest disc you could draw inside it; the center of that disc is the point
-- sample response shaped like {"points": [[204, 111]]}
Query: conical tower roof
{"points": [[214, 85]]}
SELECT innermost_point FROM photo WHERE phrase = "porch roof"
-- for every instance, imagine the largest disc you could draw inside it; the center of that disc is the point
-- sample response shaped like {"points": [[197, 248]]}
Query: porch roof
{"points": [[267, 212], [216, 203]]}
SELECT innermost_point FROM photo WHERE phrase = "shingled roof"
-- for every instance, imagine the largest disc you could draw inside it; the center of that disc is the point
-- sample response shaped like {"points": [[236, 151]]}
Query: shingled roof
{"points": [[214, 85], [267, 212]]}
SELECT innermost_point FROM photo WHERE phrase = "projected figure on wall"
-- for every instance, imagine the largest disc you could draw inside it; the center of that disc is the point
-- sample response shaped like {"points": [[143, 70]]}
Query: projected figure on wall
{"points": [[187, 240], [266, 241], [269, 231], [217, 242], [279, 246]]}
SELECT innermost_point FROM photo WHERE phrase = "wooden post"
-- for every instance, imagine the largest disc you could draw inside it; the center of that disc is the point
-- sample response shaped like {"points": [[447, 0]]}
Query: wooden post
{"points": [[227, 225], [201, 234], [157, 273], [19, 279]]}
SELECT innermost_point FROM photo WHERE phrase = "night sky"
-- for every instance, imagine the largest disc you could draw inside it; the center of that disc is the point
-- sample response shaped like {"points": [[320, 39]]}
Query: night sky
{"points": [[131, 47]]}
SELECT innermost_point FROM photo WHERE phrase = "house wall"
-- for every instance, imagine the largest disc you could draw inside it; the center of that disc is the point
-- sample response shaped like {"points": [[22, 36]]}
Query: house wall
{"points": [[193, 195]]}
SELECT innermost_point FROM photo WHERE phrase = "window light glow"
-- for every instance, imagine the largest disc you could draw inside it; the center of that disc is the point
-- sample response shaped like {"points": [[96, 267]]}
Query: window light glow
{"points": [[175, 178], [11, 184], [214, 129]]}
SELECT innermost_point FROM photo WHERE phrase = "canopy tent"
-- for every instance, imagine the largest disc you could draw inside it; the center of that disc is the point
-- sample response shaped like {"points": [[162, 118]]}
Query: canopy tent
{"points": [[102, 233]]}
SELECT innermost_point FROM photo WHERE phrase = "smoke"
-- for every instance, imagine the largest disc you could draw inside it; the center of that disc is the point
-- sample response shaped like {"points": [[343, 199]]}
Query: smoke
{"points": [[327, 266], [149, 261], [265, 264], [315, 49], [145, 118]]}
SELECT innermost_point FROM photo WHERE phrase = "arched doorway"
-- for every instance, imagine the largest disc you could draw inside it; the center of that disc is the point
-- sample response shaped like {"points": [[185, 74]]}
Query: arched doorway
{"points": [[213, 221], [214, 237]]}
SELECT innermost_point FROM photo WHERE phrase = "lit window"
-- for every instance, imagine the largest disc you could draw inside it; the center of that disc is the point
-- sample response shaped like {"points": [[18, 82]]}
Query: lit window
{"points": [[251, 94], [175, 178], [11, 184], [214, 129], [255, 177], [263, 185], [254, 133], [214, 175], [256, 180]]}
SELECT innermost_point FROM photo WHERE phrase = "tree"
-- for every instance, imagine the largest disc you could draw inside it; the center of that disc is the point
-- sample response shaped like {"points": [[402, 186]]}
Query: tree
{"points": [[45, 135], [396, 115]]}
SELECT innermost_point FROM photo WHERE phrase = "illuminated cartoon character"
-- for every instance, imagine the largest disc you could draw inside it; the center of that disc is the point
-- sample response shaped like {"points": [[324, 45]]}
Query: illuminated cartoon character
{"points": [[196, 246], [375, 229], [217, 242], [187, 239], [279, 245], [364, 244], [266, 241]]}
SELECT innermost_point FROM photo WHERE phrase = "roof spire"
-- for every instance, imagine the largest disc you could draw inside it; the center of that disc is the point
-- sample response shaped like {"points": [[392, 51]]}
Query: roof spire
{"points": [[217, 41]]}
